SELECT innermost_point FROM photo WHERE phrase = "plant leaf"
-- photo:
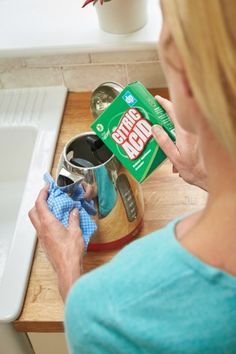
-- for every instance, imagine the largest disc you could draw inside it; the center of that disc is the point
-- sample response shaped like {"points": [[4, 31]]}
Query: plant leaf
{"points": [[87, 2], [94, 2]]}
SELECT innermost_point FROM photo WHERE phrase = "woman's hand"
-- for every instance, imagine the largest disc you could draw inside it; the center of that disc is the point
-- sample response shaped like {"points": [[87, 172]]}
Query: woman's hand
{"points": [[63, 246], [184, 155]]}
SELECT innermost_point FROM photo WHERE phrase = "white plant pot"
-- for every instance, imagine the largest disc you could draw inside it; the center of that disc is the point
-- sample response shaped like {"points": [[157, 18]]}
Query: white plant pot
{"points": [[122, 16]]}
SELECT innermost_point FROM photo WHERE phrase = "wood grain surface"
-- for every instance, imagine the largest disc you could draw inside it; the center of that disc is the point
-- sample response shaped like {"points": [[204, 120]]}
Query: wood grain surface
{"points": [[165, 197]]}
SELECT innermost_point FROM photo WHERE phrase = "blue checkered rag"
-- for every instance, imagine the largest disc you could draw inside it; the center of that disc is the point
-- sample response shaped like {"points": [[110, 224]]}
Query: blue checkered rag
{"points": [[61, 204]]}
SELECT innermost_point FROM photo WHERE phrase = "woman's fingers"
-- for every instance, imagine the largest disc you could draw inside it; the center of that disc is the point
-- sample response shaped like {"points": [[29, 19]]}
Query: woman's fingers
{"points": [[168, 107], [42, 206], [74, 227], [74, 224], [41, 201], [34, 218], [40, 215], [166, 144]]}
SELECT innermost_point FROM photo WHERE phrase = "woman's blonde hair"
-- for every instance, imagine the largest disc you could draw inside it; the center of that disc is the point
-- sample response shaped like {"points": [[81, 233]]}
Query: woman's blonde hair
{"points": [[204, 32]]}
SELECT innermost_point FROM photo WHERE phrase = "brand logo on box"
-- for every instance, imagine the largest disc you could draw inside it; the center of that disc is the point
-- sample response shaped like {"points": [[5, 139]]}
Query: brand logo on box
{"points": [[129, 98]]}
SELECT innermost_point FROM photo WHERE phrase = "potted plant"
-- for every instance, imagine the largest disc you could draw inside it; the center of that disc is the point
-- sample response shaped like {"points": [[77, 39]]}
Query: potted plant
{"points": [[120, 16]]}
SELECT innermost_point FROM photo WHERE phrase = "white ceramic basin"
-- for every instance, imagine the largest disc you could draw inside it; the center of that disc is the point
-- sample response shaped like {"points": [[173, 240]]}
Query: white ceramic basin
{"points": [[28, 134]]}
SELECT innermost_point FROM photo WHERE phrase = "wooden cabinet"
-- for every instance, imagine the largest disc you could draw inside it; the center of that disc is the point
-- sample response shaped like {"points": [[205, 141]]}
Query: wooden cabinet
{"points": [[48, 343]]}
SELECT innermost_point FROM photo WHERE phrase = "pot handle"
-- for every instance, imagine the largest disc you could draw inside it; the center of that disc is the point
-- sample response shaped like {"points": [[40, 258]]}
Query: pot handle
{"points": [[65, 178]]}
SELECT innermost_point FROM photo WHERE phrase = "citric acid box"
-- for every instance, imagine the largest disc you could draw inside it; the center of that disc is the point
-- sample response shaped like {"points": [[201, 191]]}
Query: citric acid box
{"points": [[125, 128]]}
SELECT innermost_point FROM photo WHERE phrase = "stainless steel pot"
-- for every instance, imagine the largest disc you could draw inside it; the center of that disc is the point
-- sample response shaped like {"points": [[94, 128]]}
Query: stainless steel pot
{"points": [[117, 196]]}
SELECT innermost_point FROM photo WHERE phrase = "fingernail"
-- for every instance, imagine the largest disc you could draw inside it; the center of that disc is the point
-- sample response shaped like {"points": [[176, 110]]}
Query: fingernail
{"points": [[75, 212], [157, 130]]}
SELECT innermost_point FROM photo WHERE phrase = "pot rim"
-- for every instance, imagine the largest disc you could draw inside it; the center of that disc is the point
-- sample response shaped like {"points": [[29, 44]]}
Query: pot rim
{"points": [[83, 168]]}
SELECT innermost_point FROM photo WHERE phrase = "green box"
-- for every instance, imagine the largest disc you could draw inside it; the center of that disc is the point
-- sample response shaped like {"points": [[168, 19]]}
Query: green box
{"points": [[125, 128]]}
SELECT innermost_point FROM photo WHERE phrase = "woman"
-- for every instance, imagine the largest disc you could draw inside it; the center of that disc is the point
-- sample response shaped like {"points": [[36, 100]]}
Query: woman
{"points": [[173, 291]]}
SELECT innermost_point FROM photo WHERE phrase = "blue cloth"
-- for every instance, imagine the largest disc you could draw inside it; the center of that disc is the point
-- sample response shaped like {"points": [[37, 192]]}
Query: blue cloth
{"points": [[61, 204], [153, 297]]}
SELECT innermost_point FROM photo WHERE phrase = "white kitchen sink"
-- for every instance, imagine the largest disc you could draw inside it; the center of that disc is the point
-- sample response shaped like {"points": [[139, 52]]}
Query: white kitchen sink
{"points": [[29, 125]]}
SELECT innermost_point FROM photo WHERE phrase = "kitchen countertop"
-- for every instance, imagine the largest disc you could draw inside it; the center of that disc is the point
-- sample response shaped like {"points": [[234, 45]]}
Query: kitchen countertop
{"points": [[165, 194], [32, 27]]}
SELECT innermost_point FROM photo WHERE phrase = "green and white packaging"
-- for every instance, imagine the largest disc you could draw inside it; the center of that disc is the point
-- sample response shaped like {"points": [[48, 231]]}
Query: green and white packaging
{"points": [[125, 128]]}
